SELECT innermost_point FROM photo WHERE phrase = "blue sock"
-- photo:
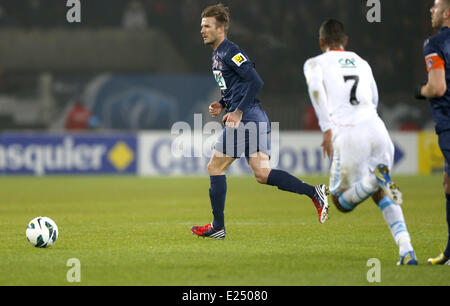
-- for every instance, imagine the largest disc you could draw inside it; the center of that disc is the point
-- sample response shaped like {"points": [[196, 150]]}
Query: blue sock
{"points": [[217, 194], [447, 250], [286, 182]]}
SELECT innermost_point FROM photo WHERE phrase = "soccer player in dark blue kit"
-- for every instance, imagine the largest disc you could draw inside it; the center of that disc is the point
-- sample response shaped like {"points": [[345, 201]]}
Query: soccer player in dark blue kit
{"points": [[247, 127], [437, 58]]}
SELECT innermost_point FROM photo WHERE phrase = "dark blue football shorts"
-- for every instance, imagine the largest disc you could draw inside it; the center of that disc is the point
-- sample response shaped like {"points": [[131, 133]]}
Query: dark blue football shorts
{"points": [[248, 139]]}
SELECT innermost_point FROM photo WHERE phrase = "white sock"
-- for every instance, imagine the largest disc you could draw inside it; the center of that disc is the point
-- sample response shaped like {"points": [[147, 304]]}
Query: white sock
{"points": [[393, 215], [361, 190]]}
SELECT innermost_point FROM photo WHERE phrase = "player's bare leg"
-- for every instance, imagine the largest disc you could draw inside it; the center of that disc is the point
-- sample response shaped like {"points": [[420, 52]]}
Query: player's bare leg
{"points": [[217, 168], [260, 165], [219, 163]]}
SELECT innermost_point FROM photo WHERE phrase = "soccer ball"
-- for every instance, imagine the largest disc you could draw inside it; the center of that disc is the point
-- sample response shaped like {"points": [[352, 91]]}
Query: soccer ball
{"points": [[42, 232]]}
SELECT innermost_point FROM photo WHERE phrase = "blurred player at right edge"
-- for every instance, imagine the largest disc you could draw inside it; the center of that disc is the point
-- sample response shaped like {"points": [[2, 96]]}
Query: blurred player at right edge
{"points": [[345, 97], [437, 58]]}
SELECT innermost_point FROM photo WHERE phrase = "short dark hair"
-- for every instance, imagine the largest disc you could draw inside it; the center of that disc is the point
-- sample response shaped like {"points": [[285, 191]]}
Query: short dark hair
{"points": [[332, 32], [220, 12]]}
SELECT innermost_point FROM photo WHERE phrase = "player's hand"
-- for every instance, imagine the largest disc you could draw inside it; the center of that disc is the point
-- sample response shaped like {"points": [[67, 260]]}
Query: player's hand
{"points": [[233, 119], [327, 144], [215, 109]]}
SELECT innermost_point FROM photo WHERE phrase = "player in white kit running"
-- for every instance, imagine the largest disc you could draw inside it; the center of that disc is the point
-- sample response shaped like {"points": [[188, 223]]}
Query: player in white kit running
{"points": [[344, 94]]}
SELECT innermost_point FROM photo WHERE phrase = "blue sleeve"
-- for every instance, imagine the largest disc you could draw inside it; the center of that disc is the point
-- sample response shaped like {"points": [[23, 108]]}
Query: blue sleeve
{"points": [[241, 64], [255, 84], [431, 46]]}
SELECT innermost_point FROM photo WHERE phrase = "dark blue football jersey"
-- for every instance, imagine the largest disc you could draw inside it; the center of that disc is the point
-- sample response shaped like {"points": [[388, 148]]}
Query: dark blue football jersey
{"points": [[238, 81], [437, 56]]}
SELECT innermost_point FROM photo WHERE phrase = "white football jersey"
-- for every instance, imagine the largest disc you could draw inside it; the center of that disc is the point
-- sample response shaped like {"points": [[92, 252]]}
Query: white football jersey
{"points": [[342, 88]]}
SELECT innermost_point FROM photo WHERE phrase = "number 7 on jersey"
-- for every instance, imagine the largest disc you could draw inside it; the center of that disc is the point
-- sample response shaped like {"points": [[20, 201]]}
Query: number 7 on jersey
{"points": [[355, 78]]}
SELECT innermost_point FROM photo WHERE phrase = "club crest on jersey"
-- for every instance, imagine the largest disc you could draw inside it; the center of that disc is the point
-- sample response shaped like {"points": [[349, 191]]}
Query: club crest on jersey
{"points": [[239, 59], [217, 64], [218, 76], [347, 62], [430, 63]]}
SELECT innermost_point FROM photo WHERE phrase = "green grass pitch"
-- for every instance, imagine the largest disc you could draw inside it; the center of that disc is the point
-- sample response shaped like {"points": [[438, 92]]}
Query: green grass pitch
{"points": [[135, 231]]}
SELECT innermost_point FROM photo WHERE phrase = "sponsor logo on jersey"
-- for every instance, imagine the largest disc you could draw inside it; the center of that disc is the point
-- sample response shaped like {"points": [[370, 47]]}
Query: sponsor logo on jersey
{"points": [[217, 64], [220, 79], [239, 59], [347, 62]]}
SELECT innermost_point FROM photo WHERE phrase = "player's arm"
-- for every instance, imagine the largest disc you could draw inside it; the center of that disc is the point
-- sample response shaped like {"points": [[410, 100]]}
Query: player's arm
{"points": [[374, 88], [253, 84], [436, 86], [247, 72], [375, 96], [314, 79]]}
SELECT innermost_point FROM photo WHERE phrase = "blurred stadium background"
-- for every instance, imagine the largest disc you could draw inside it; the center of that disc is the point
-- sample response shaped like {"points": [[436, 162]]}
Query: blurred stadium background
{"points": [[140, 65]]}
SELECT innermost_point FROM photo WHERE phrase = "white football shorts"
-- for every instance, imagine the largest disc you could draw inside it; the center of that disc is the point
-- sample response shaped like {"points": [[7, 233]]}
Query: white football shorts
{"points": [[357, 151]]}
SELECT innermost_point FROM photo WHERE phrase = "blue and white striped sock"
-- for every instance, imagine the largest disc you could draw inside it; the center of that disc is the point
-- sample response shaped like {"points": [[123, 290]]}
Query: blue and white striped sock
{"points": [[359, 192], [393, 215]]}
